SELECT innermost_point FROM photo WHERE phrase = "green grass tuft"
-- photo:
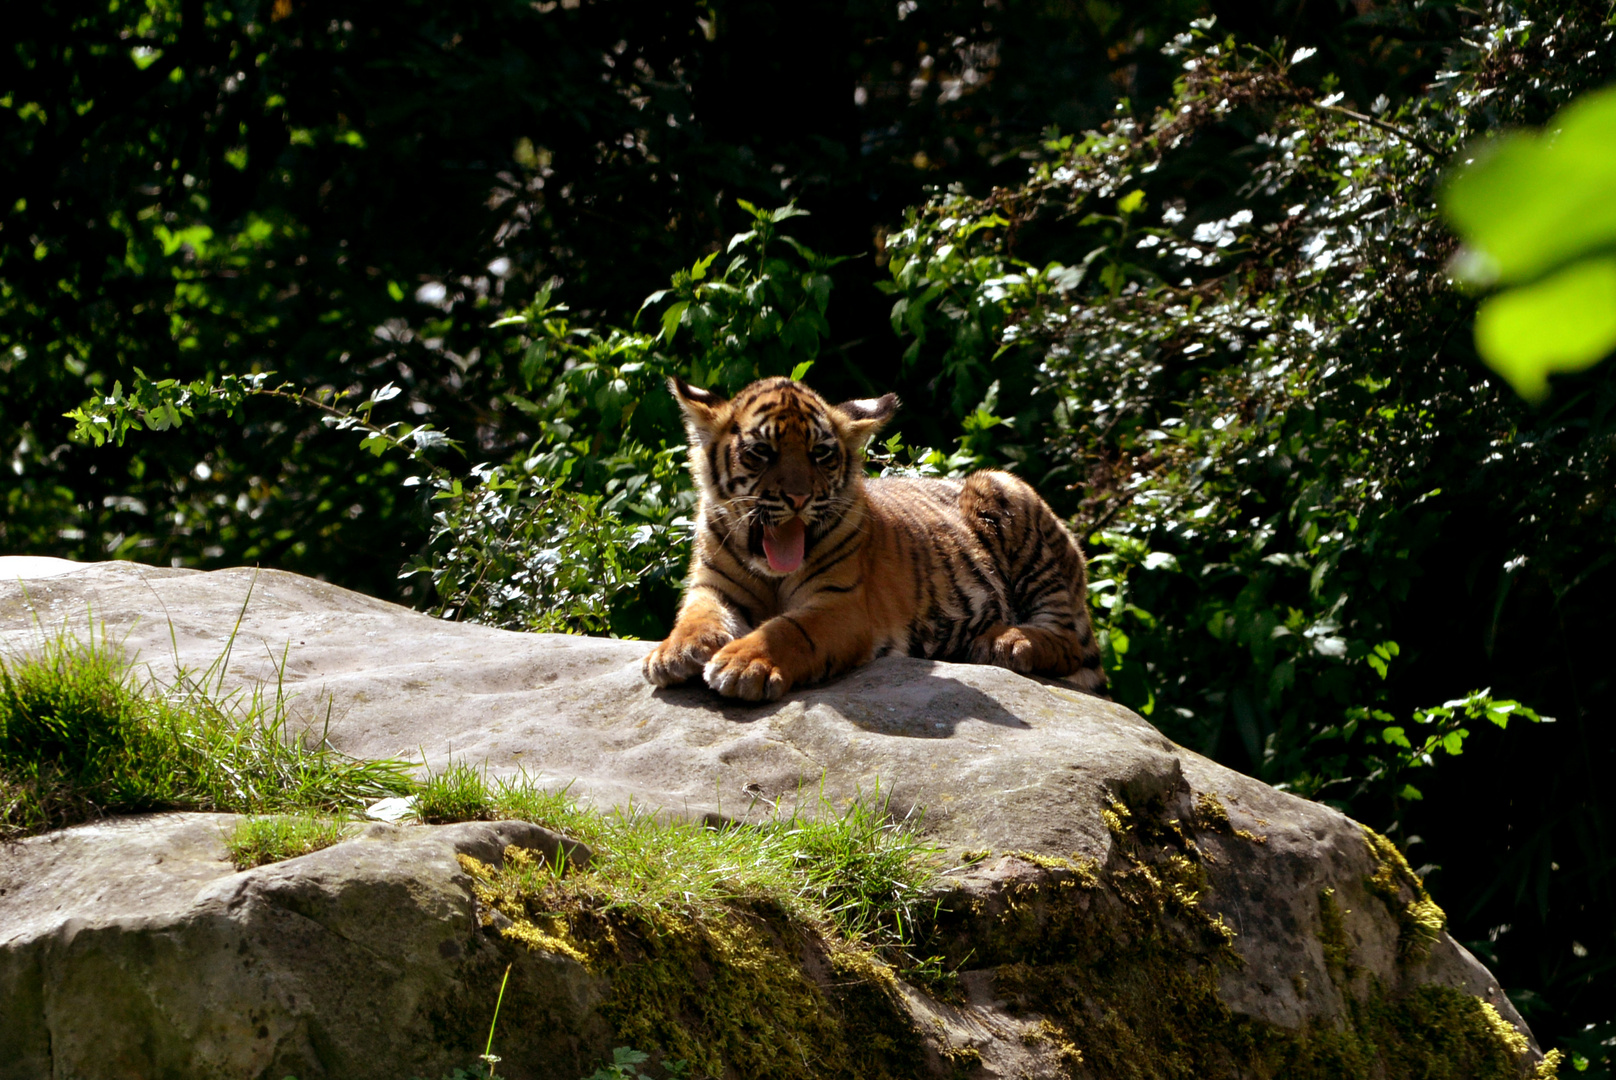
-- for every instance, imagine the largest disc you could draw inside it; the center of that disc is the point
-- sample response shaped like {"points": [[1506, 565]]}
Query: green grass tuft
{"points": [[856, 870], [83, 735], [458, 793], [256, 841]]}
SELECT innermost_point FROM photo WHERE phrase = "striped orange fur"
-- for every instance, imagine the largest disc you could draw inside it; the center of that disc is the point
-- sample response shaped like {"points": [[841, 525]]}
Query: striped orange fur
{"points": [[803, 569]]}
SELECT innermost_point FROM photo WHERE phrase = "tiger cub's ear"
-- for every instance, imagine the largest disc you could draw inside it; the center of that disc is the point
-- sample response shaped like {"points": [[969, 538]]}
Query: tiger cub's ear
{"points": [[703, 409], [863, 417]]}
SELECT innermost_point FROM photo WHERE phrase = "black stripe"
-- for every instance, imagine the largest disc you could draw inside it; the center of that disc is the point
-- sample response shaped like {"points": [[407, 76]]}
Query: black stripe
{"points": [[1035, 576], [958, 627], [745, 611], [920, 593], [839, 560], [833, 558], [1032, 541], [1034, 600], [805, 635], [993, 601], [709, 565], [712, 527]]}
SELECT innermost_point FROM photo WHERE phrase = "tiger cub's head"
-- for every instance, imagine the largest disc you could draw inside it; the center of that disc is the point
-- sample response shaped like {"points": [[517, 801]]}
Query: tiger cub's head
{"points": [[777, 466]]}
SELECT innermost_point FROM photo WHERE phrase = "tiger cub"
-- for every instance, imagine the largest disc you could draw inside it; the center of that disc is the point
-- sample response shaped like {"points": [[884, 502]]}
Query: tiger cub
{"points": [[803, 569]]}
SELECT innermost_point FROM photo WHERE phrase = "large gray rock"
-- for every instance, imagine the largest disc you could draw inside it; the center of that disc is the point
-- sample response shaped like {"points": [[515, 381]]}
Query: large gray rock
{"points": [[133, 948], [994, 760]]}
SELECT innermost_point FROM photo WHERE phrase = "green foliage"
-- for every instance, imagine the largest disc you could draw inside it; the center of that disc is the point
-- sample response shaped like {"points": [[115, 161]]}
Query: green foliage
{"points": [[345, 196], [256, 841], [81, 735], [702, 930], [456, 792], [72, 736], [1536, 214], [625, 1065], [1225, 345], [856, 868], [1215, 378], [584, 529], [524, 553]]}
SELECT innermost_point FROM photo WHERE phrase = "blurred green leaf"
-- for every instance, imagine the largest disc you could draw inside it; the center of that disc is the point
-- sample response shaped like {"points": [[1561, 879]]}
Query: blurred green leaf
{"points": [[1532, 202], [1536, 211], [1564, 323]]}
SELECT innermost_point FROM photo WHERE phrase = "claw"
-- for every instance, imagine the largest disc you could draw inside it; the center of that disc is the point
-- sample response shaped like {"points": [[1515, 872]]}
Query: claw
{"points": [[739, 673], [678, 659]]}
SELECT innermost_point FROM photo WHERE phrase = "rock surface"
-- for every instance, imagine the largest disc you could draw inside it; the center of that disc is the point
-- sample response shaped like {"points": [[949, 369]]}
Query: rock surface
{"points": [[133, 948], [349, 961]]}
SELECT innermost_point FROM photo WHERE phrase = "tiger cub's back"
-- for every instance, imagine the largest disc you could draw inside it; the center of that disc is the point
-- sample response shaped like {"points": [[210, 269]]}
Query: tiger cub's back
{"points": [[978, 570]]}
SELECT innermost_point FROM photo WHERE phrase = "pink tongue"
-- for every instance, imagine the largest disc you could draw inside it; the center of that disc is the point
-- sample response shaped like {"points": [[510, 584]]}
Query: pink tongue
{"points": [[783, 545]]}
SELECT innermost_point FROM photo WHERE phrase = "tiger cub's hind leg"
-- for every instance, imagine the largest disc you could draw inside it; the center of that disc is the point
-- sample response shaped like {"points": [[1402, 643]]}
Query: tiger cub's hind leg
{"points": [[1046, 582], [1027, 649]]}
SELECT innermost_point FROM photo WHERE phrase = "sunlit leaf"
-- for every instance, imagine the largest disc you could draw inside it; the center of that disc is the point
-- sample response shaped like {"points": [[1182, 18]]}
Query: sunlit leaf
{"points": [[1565, 323], [670, 320], [1532, 202]]}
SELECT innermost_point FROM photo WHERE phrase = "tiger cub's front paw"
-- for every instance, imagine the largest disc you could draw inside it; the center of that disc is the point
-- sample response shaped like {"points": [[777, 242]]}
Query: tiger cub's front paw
{"points": [[742, 669], [681, 657], [1006, 647]]}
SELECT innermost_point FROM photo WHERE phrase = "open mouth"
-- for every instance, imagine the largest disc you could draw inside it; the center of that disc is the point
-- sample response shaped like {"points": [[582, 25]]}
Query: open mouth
{"points": [[783, 544]]}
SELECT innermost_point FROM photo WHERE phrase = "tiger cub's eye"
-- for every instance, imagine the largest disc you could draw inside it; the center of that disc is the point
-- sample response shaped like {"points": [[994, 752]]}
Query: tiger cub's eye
{"points": [[756, 453], [824, 455]]}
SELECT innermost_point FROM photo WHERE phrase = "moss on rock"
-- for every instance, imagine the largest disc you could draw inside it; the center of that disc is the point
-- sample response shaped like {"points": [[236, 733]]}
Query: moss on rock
{"points": [[1113, 968], [1419, 921], [739, 989], [1120, 968]]}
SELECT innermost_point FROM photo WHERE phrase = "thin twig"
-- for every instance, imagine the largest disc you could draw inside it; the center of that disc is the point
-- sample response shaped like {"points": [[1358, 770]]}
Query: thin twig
{"points": [[1393, 129]]}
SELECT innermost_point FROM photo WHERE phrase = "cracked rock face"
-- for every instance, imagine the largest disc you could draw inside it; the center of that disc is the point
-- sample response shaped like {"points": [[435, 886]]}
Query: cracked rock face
{"points": [[132, 947]]}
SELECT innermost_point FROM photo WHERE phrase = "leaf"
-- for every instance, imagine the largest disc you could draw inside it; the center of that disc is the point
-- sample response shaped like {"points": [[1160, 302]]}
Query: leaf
{"points": [[1533, 202], [699, 270], [1131, 201], [801, 369], [533, 362], [670, 320], [789, 210], [647, 302], [819, 286], [1565, 323], [1302, 54]]}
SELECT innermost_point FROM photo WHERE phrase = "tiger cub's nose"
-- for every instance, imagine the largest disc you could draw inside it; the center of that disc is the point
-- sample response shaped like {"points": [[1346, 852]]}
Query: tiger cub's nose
{"points": [[798, 501]]}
